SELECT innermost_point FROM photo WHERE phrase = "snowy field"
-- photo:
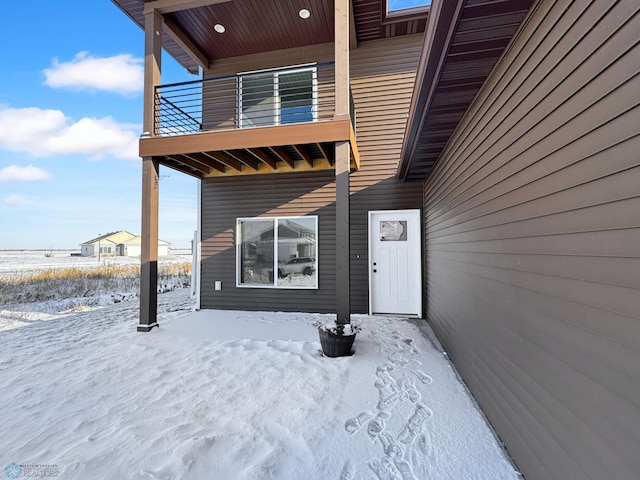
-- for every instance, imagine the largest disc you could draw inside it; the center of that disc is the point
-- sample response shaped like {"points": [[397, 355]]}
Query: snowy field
{"points": [[22, 262], [62, 285], [234, 395]]}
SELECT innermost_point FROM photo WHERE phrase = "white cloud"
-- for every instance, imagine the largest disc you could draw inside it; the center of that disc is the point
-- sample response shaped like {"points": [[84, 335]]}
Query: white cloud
{"points": [[41, 133], [123, 74], [97, 137], [17, 200], [14, 173]]}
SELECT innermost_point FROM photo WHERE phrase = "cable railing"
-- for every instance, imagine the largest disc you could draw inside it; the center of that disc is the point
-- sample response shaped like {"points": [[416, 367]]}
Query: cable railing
{"points": [[304, 93]]}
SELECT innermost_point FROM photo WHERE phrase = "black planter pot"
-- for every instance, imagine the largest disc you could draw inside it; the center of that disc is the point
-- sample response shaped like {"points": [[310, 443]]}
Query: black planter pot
{"points": [[334, 345]]}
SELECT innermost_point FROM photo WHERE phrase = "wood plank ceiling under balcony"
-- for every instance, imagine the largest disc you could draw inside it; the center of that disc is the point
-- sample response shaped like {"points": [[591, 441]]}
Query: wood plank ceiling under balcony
{"points": [[453, 71], [258, 26]]}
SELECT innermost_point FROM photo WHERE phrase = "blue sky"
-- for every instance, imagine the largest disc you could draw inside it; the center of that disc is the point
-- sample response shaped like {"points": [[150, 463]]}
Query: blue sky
{"points": [[70, 118], [400, 4]]}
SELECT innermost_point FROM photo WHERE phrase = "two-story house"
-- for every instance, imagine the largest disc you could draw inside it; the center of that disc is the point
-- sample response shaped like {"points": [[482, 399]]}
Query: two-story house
{"points": [[471, 162], [298, 118]]}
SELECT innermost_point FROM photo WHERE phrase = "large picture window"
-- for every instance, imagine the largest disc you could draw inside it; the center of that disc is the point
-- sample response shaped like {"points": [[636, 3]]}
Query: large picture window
{"points": [[278, 252], [277, 97]]}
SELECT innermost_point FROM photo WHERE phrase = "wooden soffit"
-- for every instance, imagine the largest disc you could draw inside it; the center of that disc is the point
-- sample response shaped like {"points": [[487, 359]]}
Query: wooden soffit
{"points": [[259, 26]]}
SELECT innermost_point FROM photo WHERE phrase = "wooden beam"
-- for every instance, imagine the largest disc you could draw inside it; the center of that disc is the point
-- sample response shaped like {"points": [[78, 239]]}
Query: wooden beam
{"points": [[183, 159], [168, 6], [182, 168], [149, 245], [152, 69], [225, 159], [283, 155], [319, 164], [237, 139], [355, 153], [181, 38], [341, 54], [304, 153], [207, 161], [327, 152], [262, 155], [244, 157]]}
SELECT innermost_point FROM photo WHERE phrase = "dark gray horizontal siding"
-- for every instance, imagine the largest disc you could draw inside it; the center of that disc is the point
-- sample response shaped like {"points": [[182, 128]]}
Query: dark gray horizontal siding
{"points": [[382, 77], [532, 237], [226, 199]]}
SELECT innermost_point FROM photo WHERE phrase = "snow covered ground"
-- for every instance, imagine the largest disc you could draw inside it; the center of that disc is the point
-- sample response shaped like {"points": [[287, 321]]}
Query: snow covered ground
{"points": [[21, 262], [234, 395]]}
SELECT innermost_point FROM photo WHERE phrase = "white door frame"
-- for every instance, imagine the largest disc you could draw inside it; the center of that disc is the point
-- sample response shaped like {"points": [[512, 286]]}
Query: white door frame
{"points": [[408, 212]]}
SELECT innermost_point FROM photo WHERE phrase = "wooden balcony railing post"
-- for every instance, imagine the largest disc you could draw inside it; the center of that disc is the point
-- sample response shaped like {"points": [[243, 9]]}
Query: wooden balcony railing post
{"points": [[152, 67]]}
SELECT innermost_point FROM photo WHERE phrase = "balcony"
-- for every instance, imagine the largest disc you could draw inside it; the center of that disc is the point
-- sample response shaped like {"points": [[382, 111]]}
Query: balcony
{"points": [[272, 121]]}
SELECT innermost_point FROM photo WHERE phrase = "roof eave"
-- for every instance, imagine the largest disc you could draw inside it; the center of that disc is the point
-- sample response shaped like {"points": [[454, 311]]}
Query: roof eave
{"points": [[443, 18]]}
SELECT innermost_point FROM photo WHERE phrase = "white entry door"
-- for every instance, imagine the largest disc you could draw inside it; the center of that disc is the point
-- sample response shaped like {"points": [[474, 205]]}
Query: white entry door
{"points": [[395, 264]]}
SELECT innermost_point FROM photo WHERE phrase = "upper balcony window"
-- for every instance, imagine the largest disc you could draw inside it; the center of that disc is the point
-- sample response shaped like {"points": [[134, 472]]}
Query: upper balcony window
{"points": [[277, 97]]}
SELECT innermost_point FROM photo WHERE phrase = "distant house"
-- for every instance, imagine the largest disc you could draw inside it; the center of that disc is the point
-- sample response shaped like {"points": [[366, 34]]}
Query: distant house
{"points": [[121, 243], [132, 247]]}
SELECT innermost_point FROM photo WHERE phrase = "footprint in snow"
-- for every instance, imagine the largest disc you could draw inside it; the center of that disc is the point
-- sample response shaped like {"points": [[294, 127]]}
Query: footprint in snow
{"points": [[385, 367], [390, 446], [353, 424], [385, 469], [388, 390], [423, 377], [348, 471], [376, 426], [409, 342], [415, 424], [412, 392], [389, 396], [398, 359], [425, 445], [405, 469], [396, 452]]}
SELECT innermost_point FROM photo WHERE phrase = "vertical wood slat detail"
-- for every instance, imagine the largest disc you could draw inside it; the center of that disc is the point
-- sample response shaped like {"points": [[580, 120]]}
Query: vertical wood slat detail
{"points": [[532, 227]]}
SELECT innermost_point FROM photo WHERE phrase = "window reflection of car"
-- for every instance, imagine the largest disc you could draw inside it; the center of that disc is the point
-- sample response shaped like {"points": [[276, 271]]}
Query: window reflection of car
{"points": [[303, 265]]}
